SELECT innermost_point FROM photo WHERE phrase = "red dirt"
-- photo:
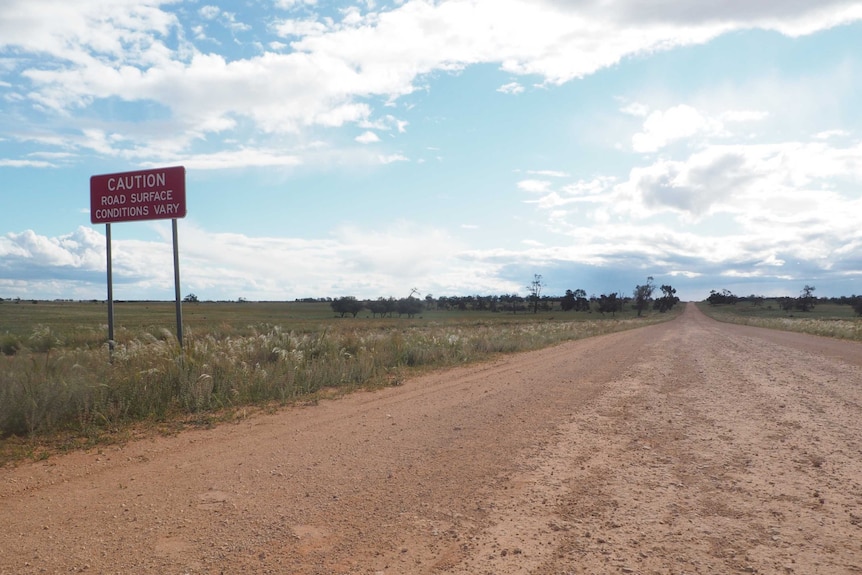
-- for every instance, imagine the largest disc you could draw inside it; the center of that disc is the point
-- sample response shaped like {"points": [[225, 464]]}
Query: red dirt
{"points": [[686, 447]]}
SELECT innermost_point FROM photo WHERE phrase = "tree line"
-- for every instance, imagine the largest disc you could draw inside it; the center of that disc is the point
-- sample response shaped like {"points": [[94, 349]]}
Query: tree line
{"points": [[806, 300], [573, 300]]}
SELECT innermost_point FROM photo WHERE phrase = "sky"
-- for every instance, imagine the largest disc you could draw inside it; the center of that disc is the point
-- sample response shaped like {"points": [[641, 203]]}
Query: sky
{"points": [[452, 147]]}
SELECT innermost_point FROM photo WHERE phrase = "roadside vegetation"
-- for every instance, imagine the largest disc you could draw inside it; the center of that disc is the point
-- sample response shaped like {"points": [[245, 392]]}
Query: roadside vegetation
{"points": [[839, 317], [60, 385]]}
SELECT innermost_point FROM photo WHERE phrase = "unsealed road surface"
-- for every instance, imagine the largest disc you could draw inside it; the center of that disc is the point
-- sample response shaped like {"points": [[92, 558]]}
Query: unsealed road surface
{"points": [[686, 447]]}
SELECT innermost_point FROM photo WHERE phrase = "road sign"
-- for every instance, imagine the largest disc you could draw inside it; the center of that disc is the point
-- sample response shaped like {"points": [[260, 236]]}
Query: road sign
{"points": [[143, 195]]}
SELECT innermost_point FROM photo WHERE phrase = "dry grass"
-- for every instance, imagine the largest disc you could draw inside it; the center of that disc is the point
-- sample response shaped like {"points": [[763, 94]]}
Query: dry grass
{"points": [[827, 320], [61, 384]]}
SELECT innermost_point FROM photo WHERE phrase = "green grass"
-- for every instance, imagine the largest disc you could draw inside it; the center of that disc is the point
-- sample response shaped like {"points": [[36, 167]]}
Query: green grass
{"points": [[58, 378], [826, 319]]}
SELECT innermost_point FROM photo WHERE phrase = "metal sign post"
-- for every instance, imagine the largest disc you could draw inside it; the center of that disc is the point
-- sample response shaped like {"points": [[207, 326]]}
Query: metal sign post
{"points": [[134, 196], [177, 285], [110, 291]]}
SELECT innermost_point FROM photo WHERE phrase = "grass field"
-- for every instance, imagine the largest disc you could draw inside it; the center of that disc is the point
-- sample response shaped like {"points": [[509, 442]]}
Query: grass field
{"points": [[826, 319], [59, 380]]}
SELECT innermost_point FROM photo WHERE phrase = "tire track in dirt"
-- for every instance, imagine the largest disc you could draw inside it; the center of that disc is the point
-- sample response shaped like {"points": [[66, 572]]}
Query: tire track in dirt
{"points": [[719, 452]]}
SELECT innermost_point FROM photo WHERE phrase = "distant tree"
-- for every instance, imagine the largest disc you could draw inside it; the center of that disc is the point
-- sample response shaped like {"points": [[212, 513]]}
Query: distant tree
{"points": [[610, 304], [723, 297], [567, 302], [535, 291], [575, 300], [806, 299], [345, 305], [482, 303], [409, 306], [643, 295], [667, 300], [581, 301], [756, 300], [513, 303], [381, 306], [191, 298], [857, 305], [429, 301]]}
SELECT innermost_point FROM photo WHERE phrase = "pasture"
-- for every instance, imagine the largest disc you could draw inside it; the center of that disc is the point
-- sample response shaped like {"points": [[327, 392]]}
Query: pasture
{"points": [[826, 319], [60, 383]]}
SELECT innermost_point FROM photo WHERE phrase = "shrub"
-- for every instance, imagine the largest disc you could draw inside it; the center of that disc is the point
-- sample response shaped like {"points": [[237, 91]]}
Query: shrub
{"points": [[9, 344]]}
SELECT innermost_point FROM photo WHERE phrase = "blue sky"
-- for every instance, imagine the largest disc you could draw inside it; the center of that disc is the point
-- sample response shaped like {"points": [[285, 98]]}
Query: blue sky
{"points": [[456, 147]]}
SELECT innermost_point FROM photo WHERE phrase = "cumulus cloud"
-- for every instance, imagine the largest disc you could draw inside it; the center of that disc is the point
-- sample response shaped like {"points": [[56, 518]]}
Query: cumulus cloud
{"points": [[783, 210], [739, 179], [329, 70], [662, 128], [351, 261], [511, 88], [368, 137], [27, 250], [209, 12], [792, 17]]}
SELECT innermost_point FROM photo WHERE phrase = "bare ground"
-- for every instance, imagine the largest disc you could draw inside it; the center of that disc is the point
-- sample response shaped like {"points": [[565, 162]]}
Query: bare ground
{"points": [[686, 447]]}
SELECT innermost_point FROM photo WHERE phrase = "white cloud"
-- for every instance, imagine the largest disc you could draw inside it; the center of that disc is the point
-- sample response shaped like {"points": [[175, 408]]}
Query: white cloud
{"points": [[368, 137], [232, 23], [777, 206], [548, 173], [125, 30], [662, 128], [291, 4], [534, 186], [739, 179], [209, 12], [236, 158], [392, 158], [7, 163], [743, 116], [299, 28], [791, 17], [136, 51], [829, 134], [199, 32], [83, 248], [511, 88], [352, 261], [636, 109]]}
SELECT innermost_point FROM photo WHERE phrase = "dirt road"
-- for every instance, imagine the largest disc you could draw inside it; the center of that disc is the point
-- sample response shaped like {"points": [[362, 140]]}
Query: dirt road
{"points": [[686, 447]]}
